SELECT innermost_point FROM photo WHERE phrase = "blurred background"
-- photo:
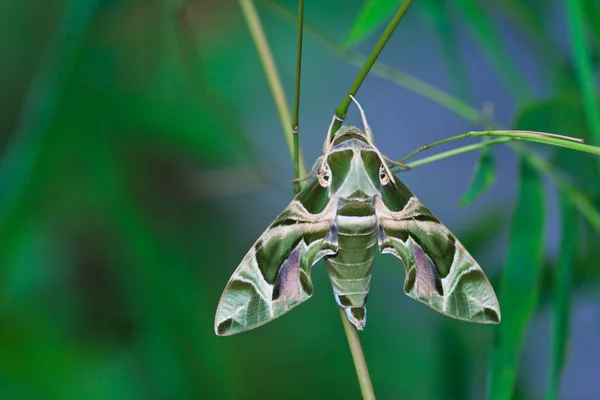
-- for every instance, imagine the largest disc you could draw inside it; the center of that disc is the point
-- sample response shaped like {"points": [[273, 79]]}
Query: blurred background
{"points": [[142, 155]]}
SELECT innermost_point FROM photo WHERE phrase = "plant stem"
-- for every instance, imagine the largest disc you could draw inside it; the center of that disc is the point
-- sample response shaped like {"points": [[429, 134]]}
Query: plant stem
{"points": [[455, 152], [266, 58], [540, 137], [362, 372], [342, 109], [295, 122]]}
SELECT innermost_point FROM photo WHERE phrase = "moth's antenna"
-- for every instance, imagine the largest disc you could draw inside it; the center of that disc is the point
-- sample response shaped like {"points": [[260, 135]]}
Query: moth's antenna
{"points": [[368, 130], [370, 138]]}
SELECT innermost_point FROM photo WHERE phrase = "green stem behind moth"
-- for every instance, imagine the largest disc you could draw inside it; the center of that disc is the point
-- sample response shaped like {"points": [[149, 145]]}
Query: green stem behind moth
{"points": [[295, 122], [342, 109], [266, 58]]}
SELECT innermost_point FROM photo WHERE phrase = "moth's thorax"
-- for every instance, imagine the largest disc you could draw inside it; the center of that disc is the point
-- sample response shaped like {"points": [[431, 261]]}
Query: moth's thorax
{"points": [[354, 173]]}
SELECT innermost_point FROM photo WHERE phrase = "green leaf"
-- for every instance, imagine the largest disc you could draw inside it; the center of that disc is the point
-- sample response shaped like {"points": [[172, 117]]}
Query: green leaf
{"points": [[438, 13], [371, 16], [584, 69], [520, 282], [39, 108], [484, 175], [489, 39], [562, 295]]}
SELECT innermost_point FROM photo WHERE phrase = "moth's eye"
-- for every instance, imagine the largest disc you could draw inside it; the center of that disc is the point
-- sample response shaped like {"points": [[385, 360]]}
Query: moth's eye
{"points": [[383, 176], [324, 176]]}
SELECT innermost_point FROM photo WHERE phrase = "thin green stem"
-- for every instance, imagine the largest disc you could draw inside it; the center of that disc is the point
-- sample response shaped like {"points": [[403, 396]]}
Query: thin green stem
{"points": [[266, 58], [362, 372], [342, 109], [540, 137], [295, 122], [455, 152]]}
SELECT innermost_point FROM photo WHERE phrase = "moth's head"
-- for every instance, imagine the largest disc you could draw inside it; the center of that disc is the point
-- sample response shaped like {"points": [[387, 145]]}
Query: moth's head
{"points": [[352, 167], [349, 133]]}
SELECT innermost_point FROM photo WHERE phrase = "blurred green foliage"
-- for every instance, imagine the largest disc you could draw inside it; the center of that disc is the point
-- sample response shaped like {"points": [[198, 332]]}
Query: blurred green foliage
{"points": [[128, 189]]}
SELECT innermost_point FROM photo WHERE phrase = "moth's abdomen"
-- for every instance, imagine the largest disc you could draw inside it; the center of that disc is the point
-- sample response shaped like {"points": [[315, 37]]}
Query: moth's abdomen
{"points": [[350, 269]]}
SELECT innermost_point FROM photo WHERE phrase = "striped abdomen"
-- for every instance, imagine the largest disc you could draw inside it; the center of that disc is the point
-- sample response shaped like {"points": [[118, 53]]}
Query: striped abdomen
{"points": [[350, 269]]}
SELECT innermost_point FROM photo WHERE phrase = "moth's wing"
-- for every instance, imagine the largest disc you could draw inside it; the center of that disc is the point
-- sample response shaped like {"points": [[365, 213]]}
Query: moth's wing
{"points": [[274, 276], [439, 270]]}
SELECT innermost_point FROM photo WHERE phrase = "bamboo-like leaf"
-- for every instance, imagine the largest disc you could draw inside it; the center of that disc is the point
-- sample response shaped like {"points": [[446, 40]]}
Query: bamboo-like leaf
{"points": [[591, 10], [482, 26], [584, 70], [484, 175], [562, 295], [40, 105], [520, 282], [438, 13], [371, 16]]}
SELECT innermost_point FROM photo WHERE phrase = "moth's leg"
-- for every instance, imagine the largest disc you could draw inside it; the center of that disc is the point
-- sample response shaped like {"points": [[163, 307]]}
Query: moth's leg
{"points": [[402, 166], [313, 171], [327, 143], [368, 130], [307, 177]]}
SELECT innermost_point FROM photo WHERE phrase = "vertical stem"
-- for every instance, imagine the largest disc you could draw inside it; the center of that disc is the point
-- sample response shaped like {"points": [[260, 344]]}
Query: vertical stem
{"points": [[266, 58], [362, 372], [342, 109], [295, 121]]}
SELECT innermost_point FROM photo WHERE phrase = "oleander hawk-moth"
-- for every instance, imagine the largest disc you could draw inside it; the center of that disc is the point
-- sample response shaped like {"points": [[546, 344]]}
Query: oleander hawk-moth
{"points": [[352, 205]]}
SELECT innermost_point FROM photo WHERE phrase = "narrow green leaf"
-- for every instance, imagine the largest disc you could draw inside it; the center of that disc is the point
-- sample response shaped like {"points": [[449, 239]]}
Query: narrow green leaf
{"points": [[484, 175], [584, 70], [438, 13], [371, 16], [482, 26], [591, 10], [562, 295], [530, 20], [42, 99], [520, 282]]}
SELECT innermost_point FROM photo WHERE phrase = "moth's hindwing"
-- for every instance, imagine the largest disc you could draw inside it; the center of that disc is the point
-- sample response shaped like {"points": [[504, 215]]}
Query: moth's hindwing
{"points": [[439, 271], [274, 276]]}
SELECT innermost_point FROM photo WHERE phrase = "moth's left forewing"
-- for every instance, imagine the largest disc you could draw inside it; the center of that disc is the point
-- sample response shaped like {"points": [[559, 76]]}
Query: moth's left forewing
{"points": [[274, 276], [440, 272]]}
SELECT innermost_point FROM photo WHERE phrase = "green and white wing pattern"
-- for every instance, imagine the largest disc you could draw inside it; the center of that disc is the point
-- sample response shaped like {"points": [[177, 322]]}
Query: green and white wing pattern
{"points": [[274, 276], [439, 271]]}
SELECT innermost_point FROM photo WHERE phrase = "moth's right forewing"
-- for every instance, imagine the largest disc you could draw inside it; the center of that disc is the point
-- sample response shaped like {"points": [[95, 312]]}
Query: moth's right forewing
{"points": [[439, 271], [274, 276]]}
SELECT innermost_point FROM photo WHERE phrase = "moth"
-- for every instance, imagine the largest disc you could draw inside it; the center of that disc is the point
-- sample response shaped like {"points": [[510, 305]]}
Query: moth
{"points": [[351, 206]]}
